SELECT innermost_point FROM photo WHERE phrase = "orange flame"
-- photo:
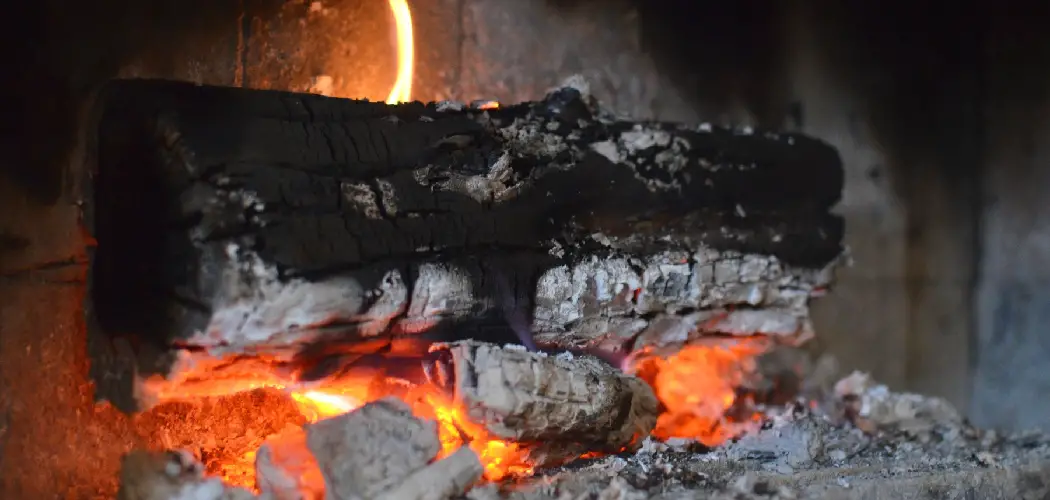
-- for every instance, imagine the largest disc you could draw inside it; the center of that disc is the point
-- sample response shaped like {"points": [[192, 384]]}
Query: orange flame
{"points": [[336, 397], [500, 458], [697, 387], [402, 89]]}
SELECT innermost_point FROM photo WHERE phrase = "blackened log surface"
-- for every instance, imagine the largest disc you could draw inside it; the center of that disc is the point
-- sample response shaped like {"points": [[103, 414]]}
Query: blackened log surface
{"points": [[231, 217]]}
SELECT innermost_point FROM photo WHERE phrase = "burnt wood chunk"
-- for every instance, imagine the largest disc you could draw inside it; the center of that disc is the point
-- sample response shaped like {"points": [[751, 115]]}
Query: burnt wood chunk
{"points": [[560, 406], [247, 221], [372, 449]]}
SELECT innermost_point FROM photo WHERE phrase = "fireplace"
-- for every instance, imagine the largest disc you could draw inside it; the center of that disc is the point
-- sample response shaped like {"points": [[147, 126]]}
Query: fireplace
{"points": [[338, 252], [239, 404]]}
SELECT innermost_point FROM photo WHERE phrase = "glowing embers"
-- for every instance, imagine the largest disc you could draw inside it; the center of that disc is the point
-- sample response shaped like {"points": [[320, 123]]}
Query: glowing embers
{"points": [[223, 432], [698, 387], [485, 104], [225, 423], [516, 410]]}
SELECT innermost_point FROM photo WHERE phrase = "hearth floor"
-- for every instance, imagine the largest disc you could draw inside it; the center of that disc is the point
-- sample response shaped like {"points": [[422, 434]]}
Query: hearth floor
{"points": [[809, 458]]}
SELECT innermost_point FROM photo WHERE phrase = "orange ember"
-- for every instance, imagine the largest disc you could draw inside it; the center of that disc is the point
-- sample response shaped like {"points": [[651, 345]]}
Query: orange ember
{"points": [[698, 387], [281, 407], [499, 457]]}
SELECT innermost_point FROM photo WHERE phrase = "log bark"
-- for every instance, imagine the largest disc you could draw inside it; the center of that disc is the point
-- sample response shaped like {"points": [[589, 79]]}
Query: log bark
{"points": [[241, 221], [557, 407], [372, 449]]}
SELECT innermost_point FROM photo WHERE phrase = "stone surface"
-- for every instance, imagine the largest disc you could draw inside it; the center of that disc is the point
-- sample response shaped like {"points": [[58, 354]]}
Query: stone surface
{"points": [[1010, 382]]}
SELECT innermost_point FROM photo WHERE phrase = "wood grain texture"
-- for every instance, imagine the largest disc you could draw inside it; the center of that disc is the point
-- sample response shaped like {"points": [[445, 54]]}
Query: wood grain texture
{"points": [[560, 406]]}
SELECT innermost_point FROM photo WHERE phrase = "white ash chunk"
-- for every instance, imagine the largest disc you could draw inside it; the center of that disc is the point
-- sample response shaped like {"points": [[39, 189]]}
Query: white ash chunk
{"points": [[439, 290], [171, 475], [381, 451], [560, 404], [569, 297], [286, 470], [447, 478], [372, 449], [258, 309], [913, 414], [786, 444]]}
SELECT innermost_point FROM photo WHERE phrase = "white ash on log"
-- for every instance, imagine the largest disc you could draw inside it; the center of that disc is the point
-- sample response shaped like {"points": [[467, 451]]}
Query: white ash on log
{"points": [[245, 221], [558, 407], [382, 451]]}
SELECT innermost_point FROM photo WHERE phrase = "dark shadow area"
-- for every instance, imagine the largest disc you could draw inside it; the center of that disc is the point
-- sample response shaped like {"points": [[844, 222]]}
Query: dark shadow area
{"points": [[56, 53]]}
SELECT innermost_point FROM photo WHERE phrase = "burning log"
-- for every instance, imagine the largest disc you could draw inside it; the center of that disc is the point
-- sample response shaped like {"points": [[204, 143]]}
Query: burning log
{"points": [[236, 221], [558, 407]]}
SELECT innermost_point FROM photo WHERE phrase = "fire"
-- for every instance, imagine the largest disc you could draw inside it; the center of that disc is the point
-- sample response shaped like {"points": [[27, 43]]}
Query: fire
{"points": [[194, 412], [227, 409], [402, 89], [698, 389], [316, 405], [500, 458]]}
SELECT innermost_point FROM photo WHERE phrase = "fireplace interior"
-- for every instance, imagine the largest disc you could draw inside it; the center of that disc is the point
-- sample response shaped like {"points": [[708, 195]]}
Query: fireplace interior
{"points": [[581, 262]]}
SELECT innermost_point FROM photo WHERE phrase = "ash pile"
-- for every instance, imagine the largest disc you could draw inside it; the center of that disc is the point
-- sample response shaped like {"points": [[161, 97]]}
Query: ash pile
{"points": [[860, 440]]}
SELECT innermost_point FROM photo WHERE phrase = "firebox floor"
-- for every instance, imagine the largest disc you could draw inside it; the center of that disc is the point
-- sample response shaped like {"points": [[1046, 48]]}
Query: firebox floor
{"points": [[811, 458]]}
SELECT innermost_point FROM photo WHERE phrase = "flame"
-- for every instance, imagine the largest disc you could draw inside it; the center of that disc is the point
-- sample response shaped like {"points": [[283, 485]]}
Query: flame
{"points": [[334, 397], [402, 89], [500, 458], [698, 387], [317, 405]]}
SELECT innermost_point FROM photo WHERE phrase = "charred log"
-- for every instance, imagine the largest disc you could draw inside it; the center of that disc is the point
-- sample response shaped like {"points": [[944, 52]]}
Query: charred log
{"points": [[558, 406], [248, 221]]}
